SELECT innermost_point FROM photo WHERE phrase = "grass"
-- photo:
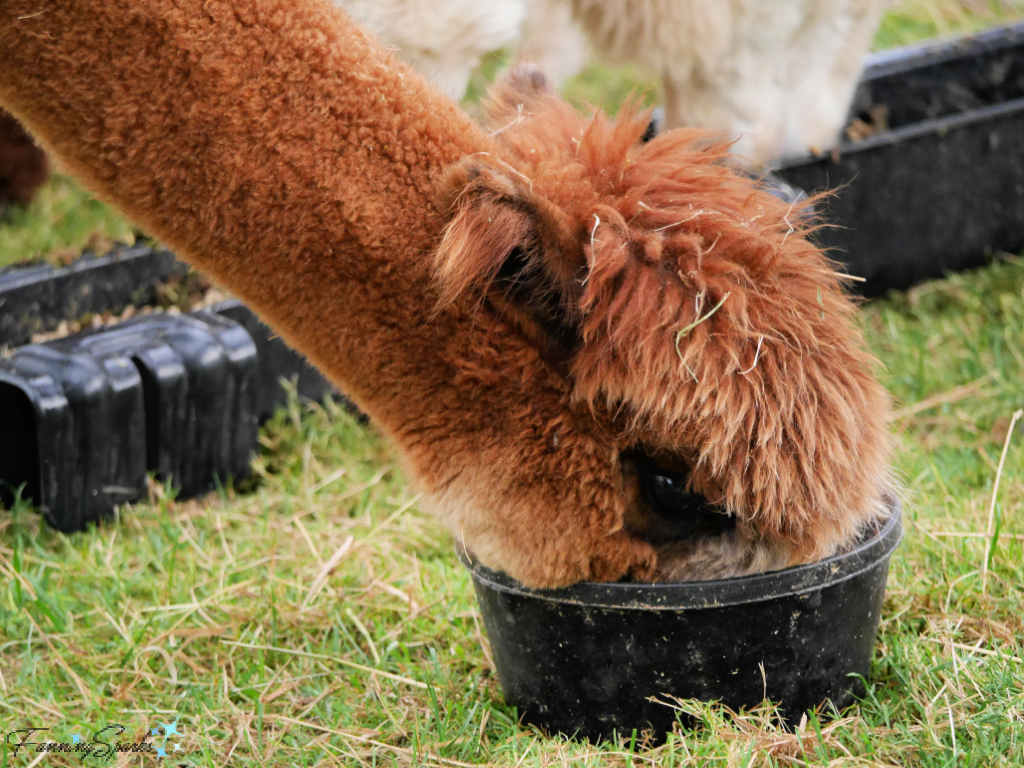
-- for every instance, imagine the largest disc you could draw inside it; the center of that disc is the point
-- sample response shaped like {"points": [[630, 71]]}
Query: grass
{"points": [[314, 615], [58, 224], [914, 20], [254, 618]]}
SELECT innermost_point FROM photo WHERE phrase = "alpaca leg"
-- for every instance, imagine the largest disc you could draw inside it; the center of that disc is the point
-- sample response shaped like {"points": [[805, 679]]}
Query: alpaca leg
{"points": [[553, 40], [779, 74], [443, 41], [690, 106], [23, 166], [826, 65]]}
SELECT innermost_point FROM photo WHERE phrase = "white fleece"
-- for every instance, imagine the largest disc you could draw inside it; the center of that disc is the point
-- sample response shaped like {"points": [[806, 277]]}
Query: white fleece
{"points": [[779, 74]]}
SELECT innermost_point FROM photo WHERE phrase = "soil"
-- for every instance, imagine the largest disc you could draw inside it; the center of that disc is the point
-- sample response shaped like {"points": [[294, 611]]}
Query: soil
{"points": [[868, 123], [193, 291]]}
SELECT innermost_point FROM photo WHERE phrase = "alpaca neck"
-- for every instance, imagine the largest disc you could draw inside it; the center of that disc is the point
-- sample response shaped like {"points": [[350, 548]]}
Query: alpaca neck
{"points": [[273, 145], [281, 151]]}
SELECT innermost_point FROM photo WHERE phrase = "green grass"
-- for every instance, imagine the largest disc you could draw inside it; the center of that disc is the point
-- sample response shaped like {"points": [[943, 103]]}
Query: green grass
{"points": [[914, 20], [58, 224], [255, 616]]}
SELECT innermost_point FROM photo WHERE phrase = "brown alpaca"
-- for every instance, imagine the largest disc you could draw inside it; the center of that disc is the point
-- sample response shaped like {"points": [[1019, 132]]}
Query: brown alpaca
{"points": [[549, 321], [23, 166]]}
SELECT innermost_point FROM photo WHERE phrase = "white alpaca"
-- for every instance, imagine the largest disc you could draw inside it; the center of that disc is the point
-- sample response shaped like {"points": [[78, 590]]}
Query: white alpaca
{"points": [[780, 74], [442, 39]]}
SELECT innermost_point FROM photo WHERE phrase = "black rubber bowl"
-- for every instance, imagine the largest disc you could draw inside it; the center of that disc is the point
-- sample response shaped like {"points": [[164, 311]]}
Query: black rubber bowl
{"points": [[585, 660]]}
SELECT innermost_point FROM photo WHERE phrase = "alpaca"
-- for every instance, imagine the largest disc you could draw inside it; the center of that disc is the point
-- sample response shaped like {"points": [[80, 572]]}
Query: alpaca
{"points": [[599, 358], [780, 74], [23, 166], [444, 41]]}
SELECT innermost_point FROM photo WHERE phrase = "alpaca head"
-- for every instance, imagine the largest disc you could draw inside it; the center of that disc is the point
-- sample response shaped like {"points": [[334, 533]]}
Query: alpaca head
{"points": [[687, 313]]}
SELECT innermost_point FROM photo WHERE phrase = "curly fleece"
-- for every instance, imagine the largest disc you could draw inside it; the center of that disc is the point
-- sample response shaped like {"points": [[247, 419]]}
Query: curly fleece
{"points": [[285, 153]]}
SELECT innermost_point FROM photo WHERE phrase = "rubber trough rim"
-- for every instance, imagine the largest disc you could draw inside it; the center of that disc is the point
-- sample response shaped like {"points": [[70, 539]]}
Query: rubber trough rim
{"points": [[701, 595]]}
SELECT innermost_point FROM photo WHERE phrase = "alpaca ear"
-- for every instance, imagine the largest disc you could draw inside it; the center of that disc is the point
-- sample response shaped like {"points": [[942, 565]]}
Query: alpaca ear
{"points": [[514, 94], [487, 226], [500, 246]]}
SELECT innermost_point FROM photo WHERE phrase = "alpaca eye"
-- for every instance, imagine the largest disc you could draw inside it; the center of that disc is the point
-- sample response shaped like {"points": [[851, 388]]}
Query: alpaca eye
{"points": [[690, 513], [666, 493]]}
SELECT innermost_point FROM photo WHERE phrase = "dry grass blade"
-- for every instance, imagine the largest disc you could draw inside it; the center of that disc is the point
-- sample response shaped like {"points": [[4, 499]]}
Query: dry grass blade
{"points": [[952, 396], [76, 679], [682, 333], [335, 659], [977, 535], [989, 532], [974, 649], [428, 756], [325, 572], [172, 670]]}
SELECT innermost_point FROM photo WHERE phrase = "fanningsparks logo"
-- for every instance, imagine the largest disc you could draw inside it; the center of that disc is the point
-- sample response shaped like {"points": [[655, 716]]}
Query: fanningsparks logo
{"points": [[104, 743]]}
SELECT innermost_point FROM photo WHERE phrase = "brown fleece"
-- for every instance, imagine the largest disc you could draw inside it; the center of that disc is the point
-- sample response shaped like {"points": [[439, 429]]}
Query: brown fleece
{"points": [[690, 314], [281, 150], [23, 165]]}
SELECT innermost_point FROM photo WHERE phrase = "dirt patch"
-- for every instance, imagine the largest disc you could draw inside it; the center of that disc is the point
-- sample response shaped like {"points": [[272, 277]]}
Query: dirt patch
{"points": [[874, 120], [177, 295]]}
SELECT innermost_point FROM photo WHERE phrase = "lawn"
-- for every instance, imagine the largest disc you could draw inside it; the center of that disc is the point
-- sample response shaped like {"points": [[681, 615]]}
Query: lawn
{"points": [[63, 220], [313, 615]]}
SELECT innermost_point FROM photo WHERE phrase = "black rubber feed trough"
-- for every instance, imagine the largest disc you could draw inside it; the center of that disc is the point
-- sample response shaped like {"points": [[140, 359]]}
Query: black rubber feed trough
{"points": [[939, 185], [37, 298], [84, 418], [586, 661]]}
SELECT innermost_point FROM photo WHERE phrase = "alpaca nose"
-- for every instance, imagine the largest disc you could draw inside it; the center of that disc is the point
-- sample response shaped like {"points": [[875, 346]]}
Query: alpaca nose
{"points": [[688, 514]]}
